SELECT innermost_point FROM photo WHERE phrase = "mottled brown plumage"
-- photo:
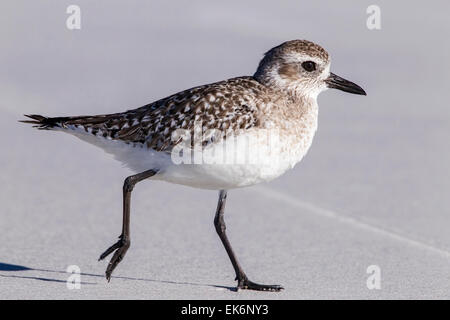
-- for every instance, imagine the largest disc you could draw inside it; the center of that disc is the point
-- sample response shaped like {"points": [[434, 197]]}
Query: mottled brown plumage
{"points": [[227, 106]]}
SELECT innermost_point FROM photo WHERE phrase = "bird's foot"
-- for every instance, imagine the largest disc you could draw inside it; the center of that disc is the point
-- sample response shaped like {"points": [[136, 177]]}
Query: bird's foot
{"points": [[244, 283], [121, 248]]}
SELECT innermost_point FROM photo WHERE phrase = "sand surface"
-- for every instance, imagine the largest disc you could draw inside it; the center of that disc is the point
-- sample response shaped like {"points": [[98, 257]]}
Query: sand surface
{"points": [[373, 190]]}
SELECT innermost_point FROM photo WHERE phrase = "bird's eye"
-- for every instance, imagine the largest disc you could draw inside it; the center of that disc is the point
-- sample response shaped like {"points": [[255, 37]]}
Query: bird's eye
{"points": [[309, 66]]}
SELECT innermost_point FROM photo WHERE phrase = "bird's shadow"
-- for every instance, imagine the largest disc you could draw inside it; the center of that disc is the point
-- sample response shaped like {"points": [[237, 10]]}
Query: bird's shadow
{"points": [[13, 267]]}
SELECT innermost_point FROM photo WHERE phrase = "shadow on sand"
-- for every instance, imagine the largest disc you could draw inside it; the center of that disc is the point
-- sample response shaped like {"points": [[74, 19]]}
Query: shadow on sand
{"points": [[15, 268]]}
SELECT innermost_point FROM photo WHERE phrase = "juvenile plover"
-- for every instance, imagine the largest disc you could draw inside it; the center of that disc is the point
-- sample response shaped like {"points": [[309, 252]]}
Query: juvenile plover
{"points": [[279, 101]]}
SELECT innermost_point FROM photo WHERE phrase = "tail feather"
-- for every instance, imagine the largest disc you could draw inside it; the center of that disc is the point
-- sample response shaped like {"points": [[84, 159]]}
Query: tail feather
{"points": [[44, 123]]}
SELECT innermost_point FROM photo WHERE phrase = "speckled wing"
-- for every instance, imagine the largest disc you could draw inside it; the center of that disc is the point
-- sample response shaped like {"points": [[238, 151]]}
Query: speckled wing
{"points": [[227, 106]]}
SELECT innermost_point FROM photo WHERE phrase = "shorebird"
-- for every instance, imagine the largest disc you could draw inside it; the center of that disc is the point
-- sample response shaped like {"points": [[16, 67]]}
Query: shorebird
{"points": [[279, 100]]}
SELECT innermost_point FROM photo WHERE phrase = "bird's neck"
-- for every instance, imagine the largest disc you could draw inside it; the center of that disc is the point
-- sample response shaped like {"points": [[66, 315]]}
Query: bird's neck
{"points": [[292, 116], [304, 110]]}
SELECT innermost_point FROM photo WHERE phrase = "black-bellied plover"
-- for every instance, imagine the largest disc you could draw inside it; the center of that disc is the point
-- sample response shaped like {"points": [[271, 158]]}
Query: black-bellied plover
{"points": [[272, 113]]}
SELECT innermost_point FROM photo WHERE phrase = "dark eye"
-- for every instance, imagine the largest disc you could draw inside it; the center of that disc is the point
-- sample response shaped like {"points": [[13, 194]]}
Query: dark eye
{"points": [[309, 66]]}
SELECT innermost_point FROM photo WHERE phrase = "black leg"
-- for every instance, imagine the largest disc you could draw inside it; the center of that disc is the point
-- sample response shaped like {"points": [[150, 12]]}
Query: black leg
{"points": [[124, 239], [219, 223]]}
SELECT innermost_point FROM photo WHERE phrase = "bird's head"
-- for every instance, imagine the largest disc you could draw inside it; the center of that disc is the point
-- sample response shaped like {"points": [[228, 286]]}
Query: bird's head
{"points": [[302, 69]]}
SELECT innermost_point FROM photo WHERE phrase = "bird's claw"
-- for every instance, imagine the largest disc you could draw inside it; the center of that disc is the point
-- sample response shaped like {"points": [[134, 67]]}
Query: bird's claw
{"points": [[120, 248], [244, 283]]}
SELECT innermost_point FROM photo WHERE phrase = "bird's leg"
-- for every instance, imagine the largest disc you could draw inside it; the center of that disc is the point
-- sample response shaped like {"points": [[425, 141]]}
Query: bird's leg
{"points": [[121, 246], [219, 223]]}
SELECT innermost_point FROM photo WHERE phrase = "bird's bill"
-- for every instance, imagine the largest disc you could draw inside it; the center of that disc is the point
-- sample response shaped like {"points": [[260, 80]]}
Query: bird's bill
{"points": [[336, 82]]}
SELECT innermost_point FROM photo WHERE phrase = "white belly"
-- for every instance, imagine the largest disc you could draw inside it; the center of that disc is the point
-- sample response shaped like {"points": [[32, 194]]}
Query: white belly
{"points": [[246, 160]]}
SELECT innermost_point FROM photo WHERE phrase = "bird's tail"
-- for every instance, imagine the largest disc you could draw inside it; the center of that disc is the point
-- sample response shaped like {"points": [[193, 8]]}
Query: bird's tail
{"points": [[44, 123]]}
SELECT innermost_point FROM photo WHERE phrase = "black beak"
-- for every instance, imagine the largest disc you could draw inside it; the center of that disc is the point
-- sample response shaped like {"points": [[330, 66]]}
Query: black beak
{"points": [[336, 82]]}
